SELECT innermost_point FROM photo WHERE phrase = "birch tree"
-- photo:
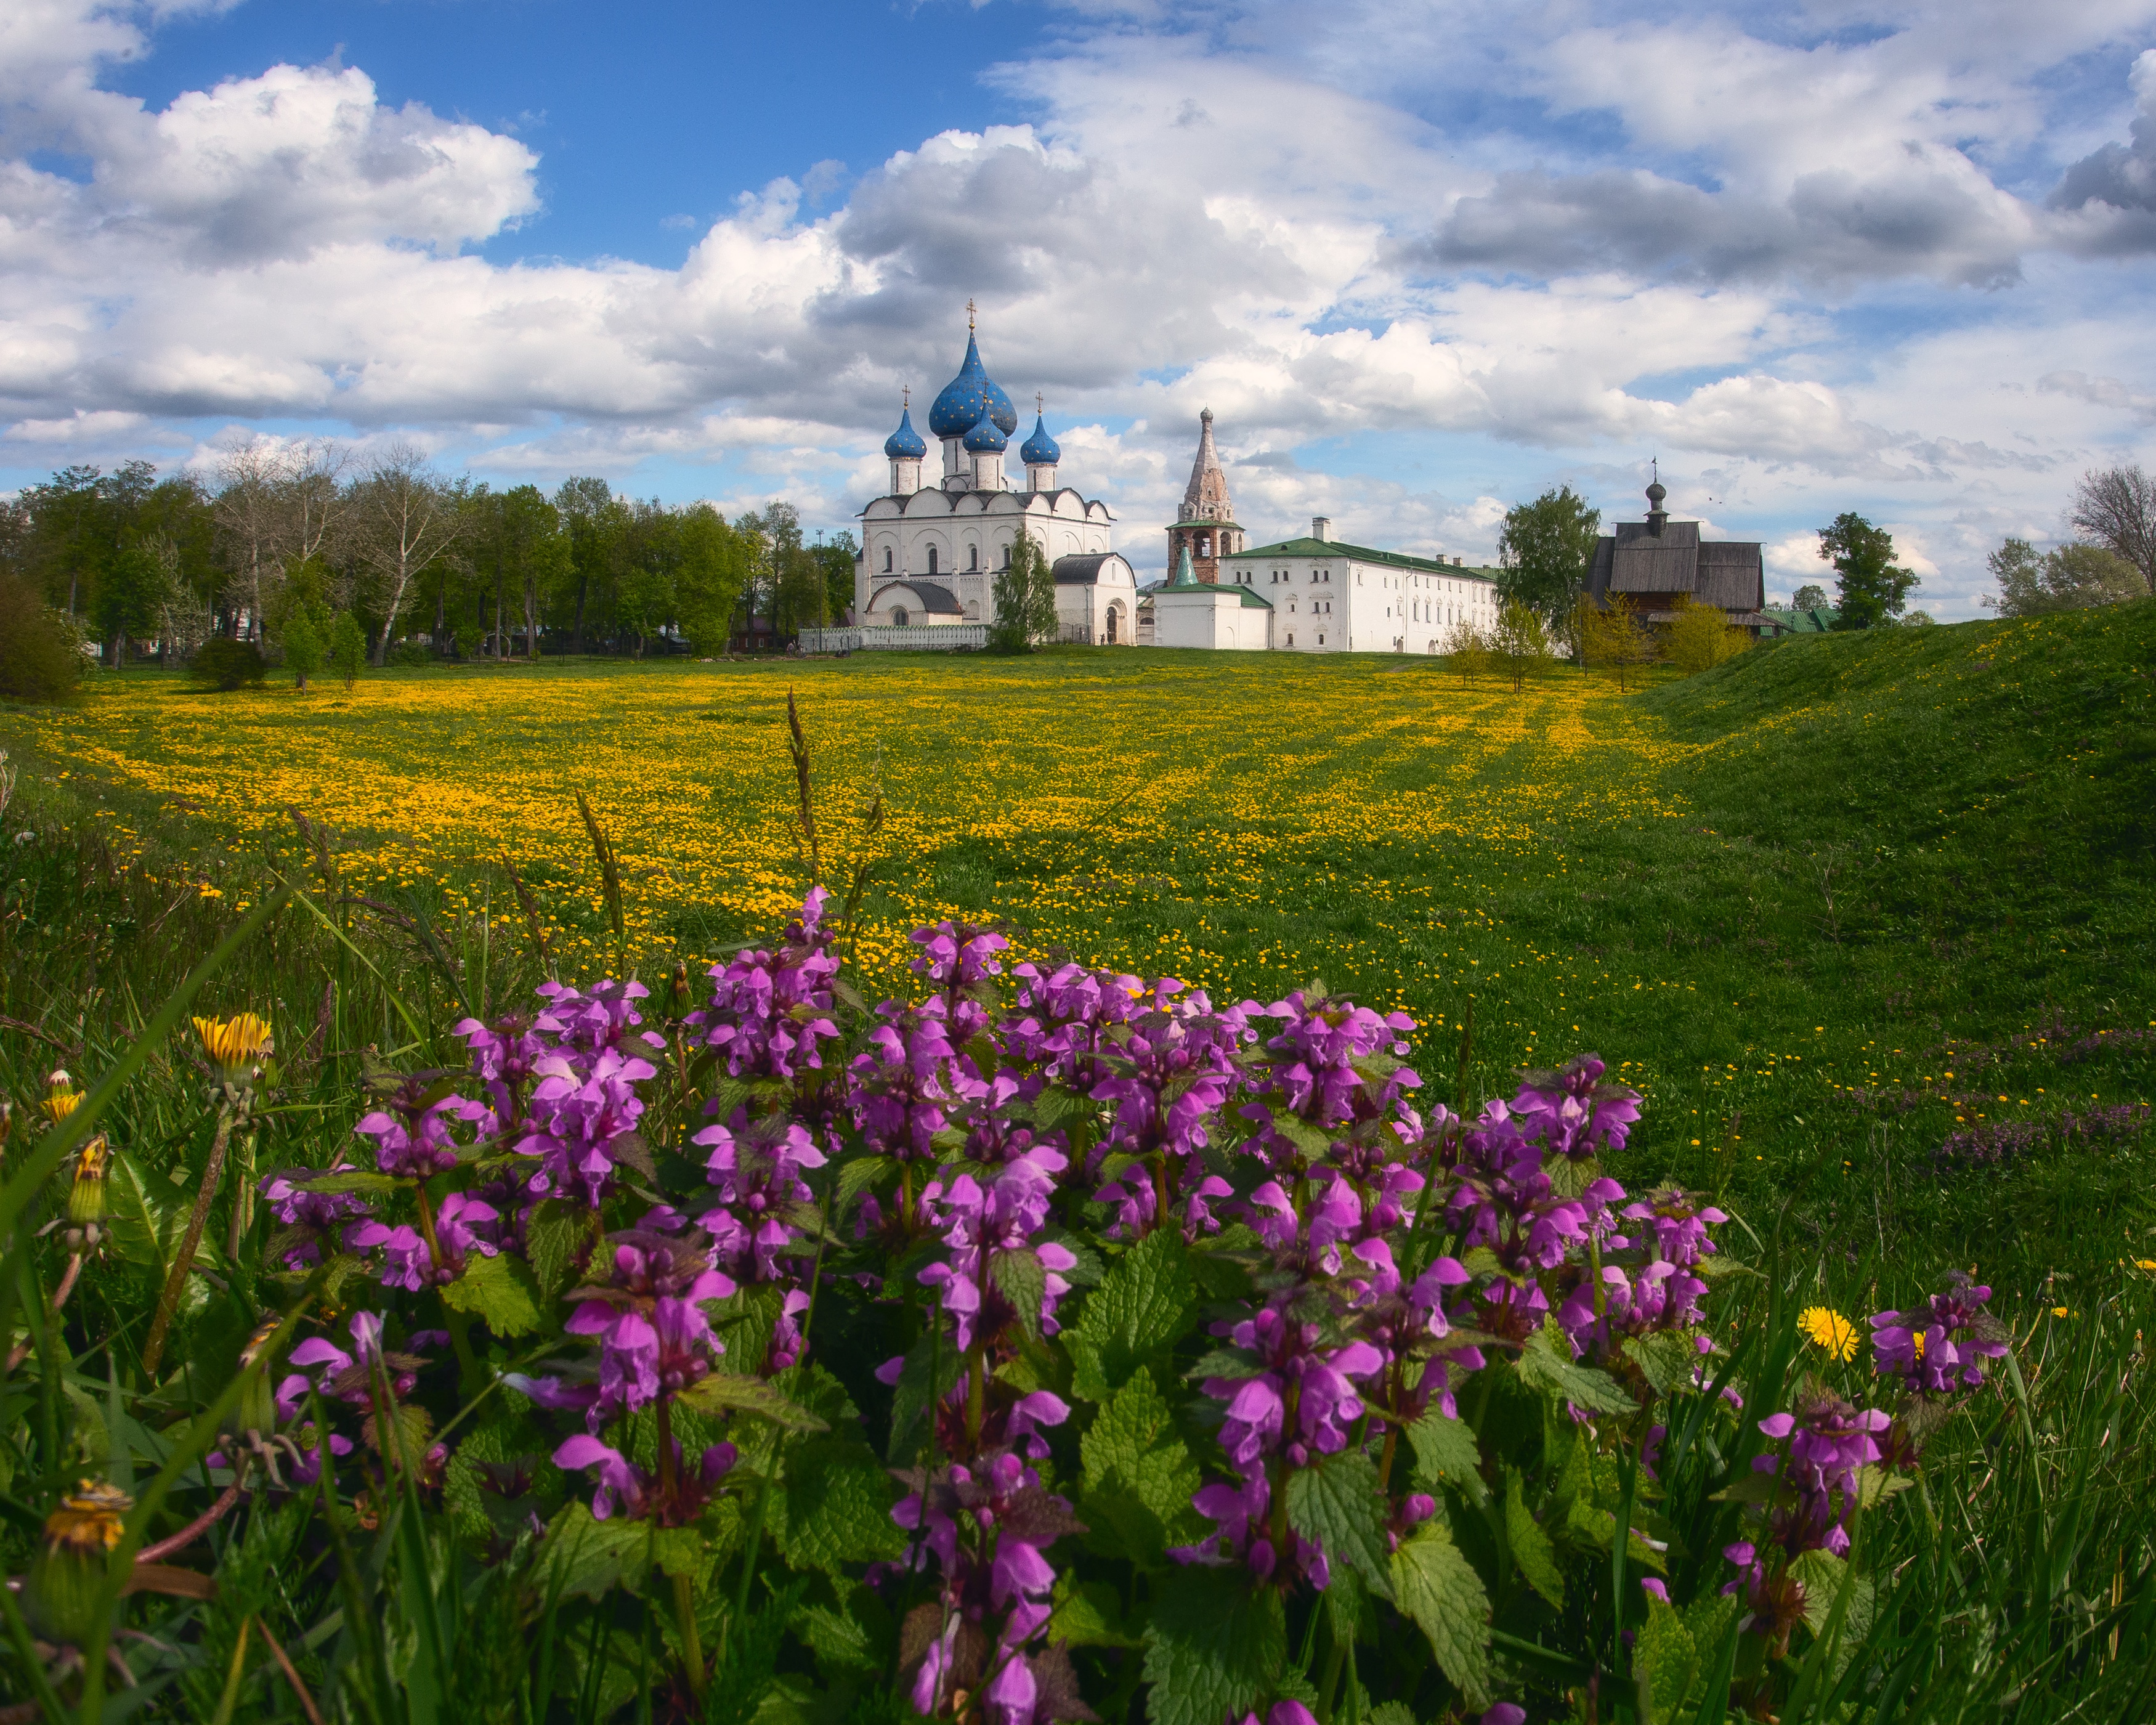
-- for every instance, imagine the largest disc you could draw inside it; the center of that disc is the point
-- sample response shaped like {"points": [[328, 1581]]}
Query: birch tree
{"points": [[403, 517]]}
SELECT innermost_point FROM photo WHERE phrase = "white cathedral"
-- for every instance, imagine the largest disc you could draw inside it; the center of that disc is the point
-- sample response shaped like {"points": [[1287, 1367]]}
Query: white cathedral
{"points": [[929, 554]]}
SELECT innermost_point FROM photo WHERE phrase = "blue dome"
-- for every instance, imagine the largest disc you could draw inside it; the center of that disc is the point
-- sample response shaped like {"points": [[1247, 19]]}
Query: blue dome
{"points": [[1039, 450], [986, 438], [967, 397], [904, 442]]}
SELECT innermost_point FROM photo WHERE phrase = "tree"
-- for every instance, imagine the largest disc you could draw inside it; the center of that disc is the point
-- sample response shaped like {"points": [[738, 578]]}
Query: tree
{"points": [[348, 648], [1612, 634], [1545, 548], [1869, 589], [593, 519], [1810, 597], [2117, 508], [1024, 598], [1701, 637], [130, 597], [713, 569], [40, 658], [1467, 651], [248, 510], [303, 648], [1521, 642], [406, 518], [2070, 577], [836, 556]]}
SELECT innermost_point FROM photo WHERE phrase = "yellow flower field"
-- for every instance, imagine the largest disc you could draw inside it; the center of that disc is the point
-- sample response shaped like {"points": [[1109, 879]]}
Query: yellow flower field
{"points": [[1132, 809]]}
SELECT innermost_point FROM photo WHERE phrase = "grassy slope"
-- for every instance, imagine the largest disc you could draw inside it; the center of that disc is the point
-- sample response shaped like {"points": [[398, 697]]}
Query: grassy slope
{"points": [[1814, 871]]}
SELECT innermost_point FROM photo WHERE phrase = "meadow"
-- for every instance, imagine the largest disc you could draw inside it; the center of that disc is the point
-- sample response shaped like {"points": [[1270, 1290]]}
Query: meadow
{"points": [[1779, 898], [1865, 921]]}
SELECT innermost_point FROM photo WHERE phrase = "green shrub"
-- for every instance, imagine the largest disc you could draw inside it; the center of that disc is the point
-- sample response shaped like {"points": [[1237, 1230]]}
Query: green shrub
{"points": [[347, 647], [224, 663], [411, 653], [40, 659], [304, 647]]}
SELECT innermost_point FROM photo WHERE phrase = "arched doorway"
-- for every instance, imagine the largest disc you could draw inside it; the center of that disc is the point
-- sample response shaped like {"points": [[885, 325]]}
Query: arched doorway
{"points": [[898, 616], [1114, 624]]}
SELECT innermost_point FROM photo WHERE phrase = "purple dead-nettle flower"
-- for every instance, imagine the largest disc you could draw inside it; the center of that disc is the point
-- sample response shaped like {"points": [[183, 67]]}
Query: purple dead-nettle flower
{"points": [[603, 1021], [1939, 1347], [580, 1113], [411, 1133], [1679, 1220], [1774, 1599], [1292, 1354], [758, 1170], [1573, 1112], [1316, 1051], [1829, 1440], [1409, 1325], [332, 1216], [988, 1527], [504, 1056], [900, 1086], [986, 1218], [352, 1377], [1061, 1019], [626, 1490], [464, 1224], [960, 959], [770, 1013]]}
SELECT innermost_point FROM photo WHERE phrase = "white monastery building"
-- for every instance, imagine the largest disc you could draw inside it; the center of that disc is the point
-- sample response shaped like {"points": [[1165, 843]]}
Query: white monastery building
{"points": [[929, 554], [1315, 594]]}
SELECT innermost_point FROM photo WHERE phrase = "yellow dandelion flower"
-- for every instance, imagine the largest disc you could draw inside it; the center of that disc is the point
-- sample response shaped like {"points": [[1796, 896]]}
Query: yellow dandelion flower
{"points": [[1829, 1331], [238, 1041], [61, 1097], [90, 1520]]}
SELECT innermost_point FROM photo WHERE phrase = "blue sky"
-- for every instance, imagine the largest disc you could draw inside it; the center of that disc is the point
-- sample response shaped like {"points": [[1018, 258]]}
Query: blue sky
{"points": [[1421, 260]]}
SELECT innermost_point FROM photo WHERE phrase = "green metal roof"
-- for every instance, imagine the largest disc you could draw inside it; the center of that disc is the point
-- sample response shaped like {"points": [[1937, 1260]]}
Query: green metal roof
{"points": [[1308, 547]]}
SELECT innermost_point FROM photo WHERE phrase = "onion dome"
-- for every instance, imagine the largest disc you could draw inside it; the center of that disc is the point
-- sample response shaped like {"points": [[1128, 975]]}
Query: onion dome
{"points": [[986, 438], [1039, 450], [905, 444], [970, 397], [1656, 493]]}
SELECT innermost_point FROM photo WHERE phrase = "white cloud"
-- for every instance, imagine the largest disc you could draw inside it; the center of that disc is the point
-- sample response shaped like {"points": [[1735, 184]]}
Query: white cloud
{"points": [[1674, 233]]}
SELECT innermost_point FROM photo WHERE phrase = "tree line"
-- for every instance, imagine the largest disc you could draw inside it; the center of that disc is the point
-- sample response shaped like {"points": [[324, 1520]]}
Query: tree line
{"points": [[1547, 547], [311, 537]]}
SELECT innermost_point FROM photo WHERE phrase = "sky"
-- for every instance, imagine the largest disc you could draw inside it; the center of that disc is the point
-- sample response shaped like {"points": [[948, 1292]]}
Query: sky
{"points": [[1422, 261]]}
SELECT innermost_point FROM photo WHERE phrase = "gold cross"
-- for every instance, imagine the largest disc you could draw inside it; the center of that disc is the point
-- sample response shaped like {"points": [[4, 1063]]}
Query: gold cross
{"points": [[969, 316], [1039, 403]]}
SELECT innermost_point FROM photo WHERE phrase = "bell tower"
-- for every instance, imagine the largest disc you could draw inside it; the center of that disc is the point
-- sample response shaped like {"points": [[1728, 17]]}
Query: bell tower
{"points": [[1205, 526]]}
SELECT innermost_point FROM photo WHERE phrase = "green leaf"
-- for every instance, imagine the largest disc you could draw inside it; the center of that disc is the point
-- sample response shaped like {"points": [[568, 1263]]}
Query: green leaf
{"points": [[552, 1235], [835, 1508], [140, 1221], [914, 1395], [1664, 1358], [1664, 1662], [1022, 1279], [351, 1179], [1547, 1364], [1391, 1712], [1087, 1615], [1532, 1549], [500, 1289], [1139, 1476], [1339, 1504], [1435, 1585], [724, 1393], [1569, 1179], [588, 1556], [1214, 1647], [836, 1639], [1446, 1455], [1821, 1574], [1143, 1305], [860, 1173]]}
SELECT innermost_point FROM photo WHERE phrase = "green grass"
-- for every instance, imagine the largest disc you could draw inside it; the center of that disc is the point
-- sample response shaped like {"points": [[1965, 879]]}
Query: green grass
{"points": [[1795, 894]]}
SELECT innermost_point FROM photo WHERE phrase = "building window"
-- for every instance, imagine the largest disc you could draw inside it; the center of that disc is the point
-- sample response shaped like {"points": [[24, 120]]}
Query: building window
{"points": [[972, 557], [886, 560], [898, 615], [1320, 640], [1290, 638], [932, 560]]}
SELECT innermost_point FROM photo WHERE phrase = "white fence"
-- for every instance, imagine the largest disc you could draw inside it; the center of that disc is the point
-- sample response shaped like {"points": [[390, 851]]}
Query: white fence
{"points": [[909, 638]]}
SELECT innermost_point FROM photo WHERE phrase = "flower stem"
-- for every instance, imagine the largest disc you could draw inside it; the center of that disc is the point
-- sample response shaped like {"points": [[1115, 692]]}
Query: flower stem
{"points": [[243, 1196], [692, 1646], [193, 1531], [168, 1301]]}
